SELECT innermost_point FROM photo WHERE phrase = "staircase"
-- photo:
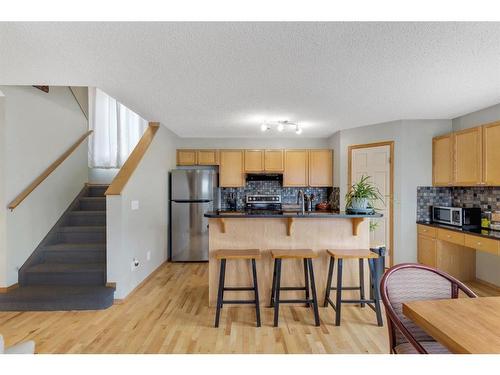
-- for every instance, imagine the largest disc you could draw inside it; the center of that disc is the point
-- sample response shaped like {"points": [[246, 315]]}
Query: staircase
{"points": [[67, 271]]}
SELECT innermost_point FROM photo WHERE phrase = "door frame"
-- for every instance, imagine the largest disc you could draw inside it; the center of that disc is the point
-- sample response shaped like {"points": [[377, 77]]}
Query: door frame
{"points": [[391, 185]]}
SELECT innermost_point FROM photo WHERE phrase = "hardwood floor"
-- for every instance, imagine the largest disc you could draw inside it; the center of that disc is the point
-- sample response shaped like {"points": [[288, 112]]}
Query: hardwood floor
{"points": [[169, 314]]}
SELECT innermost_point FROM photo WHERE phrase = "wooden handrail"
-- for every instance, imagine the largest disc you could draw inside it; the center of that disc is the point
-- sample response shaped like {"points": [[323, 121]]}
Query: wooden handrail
{"points": [[133, 160], [51, 168]]}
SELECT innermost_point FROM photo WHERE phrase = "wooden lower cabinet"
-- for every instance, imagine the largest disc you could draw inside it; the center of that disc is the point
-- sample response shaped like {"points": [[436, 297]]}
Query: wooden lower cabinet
{"points": [[449, 251], [427, 250]]}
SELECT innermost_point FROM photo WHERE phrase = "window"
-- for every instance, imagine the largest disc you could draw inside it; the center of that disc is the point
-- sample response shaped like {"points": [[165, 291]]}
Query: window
{"points": [[116, 128]]}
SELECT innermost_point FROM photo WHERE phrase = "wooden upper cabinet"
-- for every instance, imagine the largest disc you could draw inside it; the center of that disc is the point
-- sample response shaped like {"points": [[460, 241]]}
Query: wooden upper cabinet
{"points": [[254, 160], [321, 168], [442, 160], [491, 153], [273, 161], [296, 168], [231, 168], [186, 157], [207, 157], [468, 157]]}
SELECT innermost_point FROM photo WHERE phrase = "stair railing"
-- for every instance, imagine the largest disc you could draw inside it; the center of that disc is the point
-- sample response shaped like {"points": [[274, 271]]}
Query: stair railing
{"points": [[46, 173], [133, 160]]}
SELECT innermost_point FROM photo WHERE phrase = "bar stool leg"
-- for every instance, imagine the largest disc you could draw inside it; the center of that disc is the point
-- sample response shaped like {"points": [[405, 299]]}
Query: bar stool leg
{"points": [[313, 289], [376, 295], [361, 281], [273, 290], [256, 290], [306, 276], [222, 274], [329, 281], [338, 304], [277, 292]]}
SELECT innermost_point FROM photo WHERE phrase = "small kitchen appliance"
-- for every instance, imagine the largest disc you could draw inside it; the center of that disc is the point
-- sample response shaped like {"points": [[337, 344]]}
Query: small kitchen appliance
{"points": [[457, 216]]}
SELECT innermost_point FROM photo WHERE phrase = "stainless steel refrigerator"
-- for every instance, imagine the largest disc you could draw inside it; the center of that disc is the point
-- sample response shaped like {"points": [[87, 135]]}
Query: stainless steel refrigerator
{"points": [[193, 192]]}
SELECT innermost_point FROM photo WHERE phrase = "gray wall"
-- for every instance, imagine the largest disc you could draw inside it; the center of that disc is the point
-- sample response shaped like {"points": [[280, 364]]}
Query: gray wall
{"points": [[37, 128], [487, 265], [261, 142], [412, 168], [133, 233]]}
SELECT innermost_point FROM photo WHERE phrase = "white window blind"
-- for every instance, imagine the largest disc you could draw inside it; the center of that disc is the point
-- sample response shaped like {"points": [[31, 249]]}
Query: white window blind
{"points": [[116, 128]]}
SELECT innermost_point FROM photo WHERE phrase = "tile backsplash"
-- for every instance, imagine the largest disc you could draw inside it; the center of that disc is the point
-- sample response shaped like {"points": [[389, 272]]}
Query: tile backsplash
{"points": [[288, 194], [487, 198]]}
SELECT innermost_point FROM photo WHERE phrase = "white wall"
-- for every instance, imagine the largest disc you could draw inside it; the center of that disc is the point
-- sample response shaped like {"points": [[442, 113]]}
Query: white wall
{"points": [[132, 233], [261, 142], [37, 129], [412, 168], [487, 265], [3, 210]]}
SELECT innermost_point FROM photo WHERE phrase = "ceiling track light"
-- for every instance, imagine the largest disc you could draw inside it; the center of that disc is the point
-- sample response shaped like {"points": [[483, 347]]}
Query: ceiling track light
{"points": [[281, 126]]}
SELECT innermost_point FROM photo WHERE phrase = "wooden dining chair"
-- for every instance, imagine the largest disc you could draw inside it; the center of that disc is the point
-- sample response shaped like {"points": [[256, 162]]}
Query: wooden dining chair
{"points": [[414, 282]]}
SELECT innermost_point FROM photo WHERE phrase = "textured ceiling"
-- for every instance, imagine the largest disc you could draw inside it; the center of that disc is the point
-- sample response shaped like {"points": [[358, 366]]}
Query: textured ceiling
{"points": [[222, 79]]}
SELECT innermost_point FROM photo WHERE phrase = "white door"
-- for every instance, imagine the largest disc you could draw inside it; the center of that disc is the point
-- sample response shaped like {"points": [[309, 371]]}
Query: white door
{"points": [[375, 162]]}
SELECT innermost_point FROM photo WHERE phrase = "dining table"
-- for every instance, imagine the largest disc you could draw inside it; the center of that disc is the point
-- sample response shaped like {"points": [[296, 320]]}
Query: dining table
{"points": [[462, 325]]}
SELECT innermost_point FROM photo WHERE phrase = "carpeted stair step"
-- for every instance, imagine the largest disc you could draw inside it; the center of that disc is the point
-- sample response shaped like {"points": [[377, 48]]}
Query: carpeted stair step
{"points": [[86, 218], [75, 253], [97, 190], [66, 274], [57, 298], [92, 203], [81, 234]]}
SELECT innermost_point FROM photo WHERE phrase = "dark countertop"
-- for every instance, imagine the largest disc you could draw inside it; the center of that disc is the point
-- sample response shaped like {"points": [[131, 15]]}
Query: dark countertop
{"points": [[285, 214], [480, 232]]}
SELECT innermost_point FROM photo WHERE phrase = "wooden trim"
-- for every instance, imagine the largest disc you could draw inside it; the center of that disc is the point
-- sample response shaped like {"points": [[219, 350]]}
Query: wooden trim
{"points": [[119, 301], [7, 289], [126, 171], [51, 168], [391, 194], [487, 284]]}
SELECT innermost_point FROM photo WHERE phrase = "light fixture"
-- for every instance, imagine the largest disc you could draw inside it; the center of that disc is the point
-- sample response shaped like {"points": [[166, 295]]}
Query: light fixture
{"points": [[281, 126]]}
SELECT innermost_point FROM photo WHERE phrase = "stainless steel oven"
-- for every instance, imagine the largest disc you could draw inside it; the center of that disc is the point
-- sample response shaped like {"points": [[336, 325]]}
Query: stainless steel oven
{"points": [[457, 216]]}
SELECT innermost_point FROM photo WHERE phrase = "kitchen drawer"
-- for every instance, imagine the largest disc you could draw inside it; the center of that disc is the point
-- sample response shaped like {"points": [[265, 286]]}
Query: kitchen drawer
{"points": [[425, 230], [482, 244], [450, 236]]}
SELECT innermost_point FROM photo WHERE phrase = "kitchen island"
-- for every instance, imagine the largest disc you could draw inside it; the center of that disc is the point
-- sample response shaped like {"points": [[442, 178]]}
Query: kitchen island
{"points": [[316, 230]]}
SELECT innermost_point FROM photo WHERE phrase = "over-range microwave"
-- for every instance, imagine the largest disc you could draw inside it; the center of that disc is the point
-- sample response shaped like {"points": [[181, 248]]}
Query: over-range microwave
{"points": [[457, 216]]}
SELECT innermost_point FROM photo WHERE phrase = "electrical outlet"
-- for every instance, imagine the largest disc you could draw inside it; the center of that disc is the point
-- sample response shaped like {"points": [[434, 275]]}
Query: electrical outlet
{"points": [[148, 255], [134, 264], [134, 205]]}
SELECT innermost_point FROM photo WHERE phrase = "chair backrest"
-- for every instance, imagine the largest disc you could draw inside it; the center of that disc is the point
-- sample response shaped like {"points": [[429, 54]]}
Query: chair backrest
{"points": [[414, 282]]}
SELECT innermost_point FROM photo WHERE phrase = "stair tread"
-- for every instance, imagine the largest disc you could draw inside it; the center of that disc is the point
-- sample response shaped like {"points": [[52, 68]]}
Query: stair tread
{"points": [[67, 267], [57, 297], [82, 228], [93, 198], [90, 246], [89, 212]]}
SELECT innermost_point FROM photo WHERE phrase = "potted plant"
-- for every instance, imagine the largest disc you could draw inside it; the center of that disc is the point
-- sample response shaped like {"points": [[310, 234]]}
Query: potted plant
{"points": [[362, 196]]}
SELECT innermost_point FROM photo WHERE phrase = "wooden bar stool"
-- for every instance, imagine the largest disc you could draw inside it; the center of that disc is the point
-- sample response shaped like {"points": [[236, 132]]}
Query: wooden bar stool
{"points": [[223, 255], [373, 301], [306, 255]]}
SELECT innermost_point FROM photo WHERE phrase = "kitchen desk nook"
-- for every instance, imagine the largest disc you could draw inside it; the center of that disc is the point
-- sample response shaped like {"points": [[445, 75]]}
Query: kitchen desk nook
{"points": [[314, 230]]}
